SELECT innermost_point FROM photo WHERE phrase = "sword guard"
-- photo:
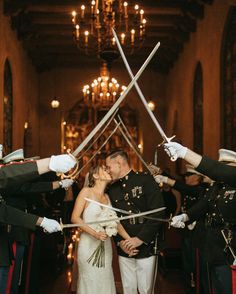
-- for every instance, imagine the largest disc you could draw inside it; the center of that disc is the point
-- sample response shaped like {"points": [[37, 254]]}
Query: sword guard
{"points": [[72, 173], [61, 224], [169, 221], [166, 140], [173, 157]]}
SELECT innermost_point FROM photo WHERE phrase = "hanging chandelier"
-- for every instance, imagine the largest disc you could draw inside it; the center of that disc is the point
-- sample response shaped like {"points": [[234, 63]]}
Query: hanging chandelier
{"points": [[93, 25], [103, 91]]}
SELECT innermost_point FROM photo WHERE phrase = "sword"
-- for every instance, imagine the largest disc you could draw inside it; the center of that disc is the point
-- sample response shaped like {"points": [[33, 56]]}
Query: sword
{"points": [[116, 104], [92, 157], [131, 145], [158, 126], [127, 132], [116, 219], [228, 245], [122, 210], [102, 131]]}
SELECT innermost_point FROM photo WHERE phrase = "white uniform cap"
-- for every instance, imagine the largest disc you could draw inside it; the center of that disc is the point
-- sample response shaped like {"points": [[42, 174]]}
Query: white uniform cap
{"points": [[227, 155], [14, 156]]}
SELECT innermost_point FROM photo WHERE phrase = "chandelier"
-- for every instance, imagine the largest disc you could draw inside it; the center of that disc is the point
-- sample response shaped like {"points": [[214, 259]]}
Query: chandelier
{"points": [[93, 27], [103, 91]]}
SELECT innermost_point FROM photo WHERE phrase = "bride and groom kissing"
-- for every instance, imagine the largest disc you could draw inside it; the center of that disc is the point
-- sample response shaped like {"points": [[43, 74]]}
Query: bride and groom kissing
{"points": [[117, 185]]}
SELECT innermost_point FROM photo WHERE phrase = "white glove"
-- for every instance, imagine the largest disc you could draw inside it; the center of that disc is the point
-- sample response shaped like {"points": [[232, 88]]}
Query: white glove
{"points": [[161, 179], [66, 183], [178, 221], [50, 225], [175, 149], [61, 163]]}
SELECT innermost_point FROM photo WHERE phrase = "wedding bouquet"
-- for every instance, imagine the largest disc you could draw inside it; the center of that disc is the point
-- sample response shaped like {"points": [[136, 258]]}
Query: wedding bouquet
{"points": [[110, 228]]}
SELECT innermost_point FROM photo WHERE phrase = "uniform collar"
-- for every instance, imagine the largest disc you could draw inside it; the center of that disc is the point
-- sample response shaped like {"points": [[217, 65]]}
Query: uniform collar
{"points": [[127, 176]]}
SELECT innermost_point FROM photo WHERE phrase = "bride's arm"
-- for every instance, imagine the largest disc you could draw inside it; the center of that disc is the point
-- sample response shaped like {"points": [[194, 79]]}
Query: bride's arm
{"points": [[122, 232], [79, 207]]}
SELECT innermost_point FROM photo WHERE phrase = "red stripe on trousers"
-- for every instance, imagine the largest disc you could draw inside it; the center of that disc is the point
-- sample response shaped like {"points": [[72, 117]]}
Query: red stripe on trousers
{"points": [[11, 269]]}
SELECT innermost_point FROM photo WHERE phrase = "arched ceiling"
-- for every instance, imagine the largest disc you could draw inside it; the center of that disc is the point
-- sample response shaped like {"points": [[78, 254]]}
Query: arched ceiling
{"points": [[45, 28]]}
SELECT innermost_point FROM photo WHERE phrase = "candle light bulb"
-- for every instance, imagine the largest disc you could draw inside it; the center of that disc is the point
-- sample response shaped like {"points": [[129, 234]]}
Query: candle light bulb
{"points": [[86, 34], [82, 11], [125, 9], [74, 16], [132, 35], [122, 38], [77, 32], [141, 15]]}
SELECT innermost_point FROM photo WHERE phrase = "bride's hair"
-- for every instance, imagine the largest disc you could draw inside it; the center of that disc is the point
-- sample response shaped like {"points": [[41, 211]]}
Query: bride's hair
{"points": [[93, 170]]}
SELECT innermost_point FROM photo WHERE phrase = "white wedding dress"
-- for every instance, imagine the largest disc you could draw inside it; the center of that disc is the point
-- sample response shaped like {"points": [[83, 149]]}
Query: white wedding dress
{"points": [[93, 279]]}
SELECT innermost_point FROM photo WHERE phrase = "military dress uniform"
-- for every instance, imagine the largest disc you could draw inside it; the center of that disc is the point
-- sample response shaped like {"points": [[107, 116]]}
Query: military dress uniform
{"points": [[219, 205], [193, 239], [137, 192], [18, 236], [11, 178]]}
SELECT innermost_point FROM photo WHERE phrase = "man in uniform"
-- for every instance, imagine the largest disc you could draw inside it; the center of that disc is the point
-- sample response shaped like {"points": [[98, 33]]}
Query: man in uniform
{"points": [[192, 235], [205, 165], [16, 236], [135, 192], [218, 204], [12, 177]]}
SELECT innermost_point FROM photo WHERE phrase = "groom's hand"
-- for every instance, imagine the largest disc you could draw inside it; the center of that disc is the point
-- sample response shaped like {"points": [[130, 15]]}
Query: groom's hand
{"points": [[127, 251], [132, 243]]}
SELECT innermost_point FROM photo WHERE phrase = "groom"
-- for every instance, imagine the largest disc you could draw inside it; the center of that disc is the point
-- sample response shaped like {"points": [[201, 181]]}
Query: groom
{"points": [[135, 192]]}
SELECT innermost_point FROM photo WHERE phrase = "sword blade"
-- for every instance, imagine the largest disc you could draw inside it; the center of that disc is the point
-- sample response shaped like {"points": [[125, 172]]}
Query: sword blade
{"points": [[116, 104], [97, 151], [121, 210], [132, 146], [158, 126], [64, 226]]}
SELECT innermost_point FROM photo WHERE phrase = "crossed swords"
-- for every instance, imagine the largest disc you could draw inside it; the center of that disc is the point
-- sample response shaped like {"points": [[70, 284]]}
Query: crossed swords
{"points": [[122, 97], [129, 215]]}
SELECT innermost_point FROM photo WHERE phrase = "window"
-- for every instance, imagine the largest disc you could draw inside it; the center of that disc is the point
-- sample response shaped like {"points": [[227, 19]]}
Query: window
{"points": [[198, 110], [7, 109]]}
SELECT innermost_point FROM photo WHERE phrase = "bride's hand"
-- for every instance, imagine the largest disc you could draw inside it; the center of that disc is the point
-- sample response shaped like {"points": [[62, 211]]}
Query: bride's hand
{"points": [[101, 236]]}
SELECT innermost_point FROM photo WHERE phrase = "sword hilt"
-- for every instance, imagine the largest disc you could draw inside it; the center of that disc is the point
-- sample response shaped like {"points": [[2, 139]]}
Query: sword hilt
{"points": [[169, 221], [61, 224], [173, 157], [73, 172]]}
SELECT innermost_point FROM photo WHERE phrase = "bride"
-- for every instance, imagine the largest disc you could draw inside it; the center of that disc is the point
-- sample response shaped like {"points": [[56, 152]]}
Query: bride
{"points": [[93, 279]]}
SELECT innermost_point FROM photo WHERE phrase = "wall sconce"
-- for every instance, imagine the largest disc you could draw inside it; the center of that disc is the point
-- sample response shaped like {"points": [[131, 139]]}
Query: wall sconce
{"points": [[55, 103], [151, 105]]}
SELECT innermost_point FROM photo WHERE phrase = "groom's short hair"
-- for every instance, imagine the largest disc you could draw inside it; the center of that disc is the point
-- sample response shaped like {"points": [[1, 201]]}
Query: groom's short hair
{"points": [[118, 152]]}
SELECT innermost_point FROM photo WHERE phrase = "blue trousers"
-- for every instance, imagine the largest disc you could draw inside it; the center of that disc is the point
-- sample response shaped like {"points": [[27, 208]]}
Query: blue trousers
{"points": [[17, 268], [3, 278], [221, 279]]}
